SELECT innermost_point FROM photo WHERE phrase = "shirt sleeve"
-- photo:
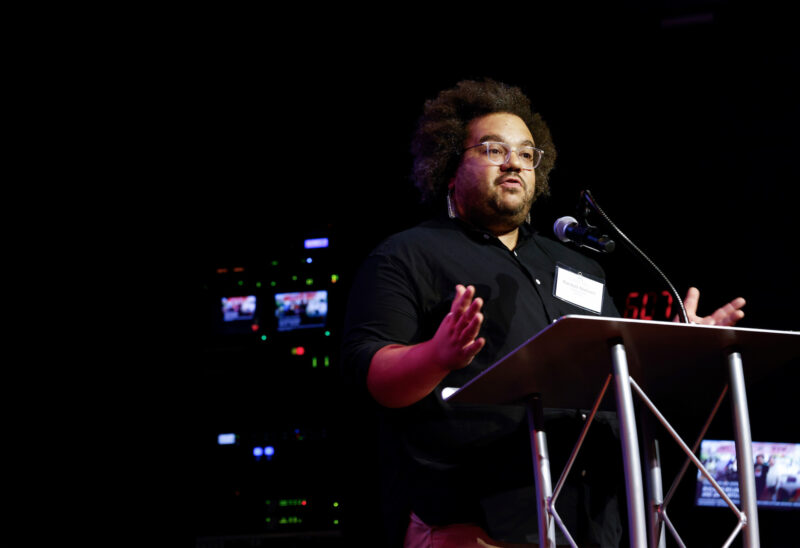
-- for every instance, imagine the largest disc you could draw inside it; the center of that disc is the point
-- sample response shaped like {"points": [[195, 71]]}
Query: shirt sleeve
{"points": [[382, 309]]}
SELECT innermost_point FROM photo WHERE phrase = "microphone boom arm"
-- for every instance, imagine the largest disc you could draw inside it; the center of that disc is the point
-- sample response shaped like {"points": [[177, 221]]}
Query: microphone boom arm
{"points": [[587, 196]]}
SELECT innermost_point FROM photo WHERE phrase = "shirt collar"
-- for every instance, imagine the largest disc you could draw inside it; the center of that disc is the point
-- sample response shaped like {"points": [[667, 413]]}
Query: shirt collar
{"points": [[482, 235]]}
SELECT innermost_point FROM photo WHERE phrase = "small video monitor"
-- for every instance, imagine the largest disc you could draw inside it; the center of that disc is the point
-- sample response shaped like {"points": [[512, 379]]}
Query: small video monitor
{"points": [[239, 308], [301, 310], [776, 467]]}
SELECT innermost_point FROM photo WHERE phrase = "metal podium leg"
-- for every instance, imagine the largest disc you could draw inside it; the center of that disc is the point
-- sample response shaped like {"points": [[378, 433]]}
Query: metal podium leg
{"points": [[541, 472], [744, 451], [630, 448], [655, 489]]}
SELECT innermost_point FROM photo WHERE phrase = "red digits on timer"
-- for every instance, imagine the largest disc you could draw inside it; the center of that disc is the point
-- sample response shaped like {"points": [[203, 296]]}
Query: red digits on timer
{"points": [[644, 305]]}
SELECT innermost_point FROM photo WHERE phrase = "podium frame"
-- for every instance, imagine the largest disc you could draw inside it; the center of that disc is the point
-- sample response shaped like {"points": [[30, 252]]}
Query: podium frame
{"points": [[664, 357]]}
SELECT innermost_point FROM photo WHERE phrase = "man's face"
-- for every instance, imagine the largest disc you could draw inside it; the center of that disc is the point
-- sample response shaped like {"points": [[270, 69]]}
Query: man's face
{"points": [[496, 197]]}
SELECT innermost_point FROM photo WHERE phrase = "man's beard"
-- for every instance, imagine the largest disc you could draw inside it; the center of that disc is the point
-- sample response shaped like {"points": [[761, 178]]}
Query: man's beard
{"points": [[500, 217]]}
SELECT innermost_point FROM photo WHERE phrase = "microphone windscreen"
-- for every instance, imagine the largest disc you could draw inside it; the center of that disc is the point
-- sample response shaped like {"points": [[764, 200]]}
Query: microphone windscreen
{"points": [[560, 227]]}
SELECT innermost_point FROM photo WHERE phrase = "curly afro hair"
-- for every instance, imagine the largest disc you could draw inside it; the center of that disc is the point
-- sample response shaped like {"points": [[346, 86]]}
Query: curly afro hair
{"points": [[442, 129]]}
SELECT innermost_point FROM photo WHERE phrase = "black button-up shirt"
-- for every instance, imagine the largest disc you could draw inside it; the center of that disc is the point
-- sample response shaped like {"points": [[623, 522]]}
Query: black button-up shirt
{"points": [[450, 456]]}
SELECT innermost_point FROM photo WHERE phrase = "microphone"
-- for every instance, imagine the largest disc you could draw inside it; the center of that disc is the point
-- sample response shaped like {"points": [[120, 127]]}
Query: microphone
{"points": [[567, 229]]}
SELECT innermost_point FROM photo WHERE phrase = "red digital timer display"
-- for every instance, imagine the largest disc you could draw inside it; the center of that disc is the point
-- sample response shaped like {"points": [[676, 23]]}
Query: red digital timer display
{"points": [[649, 305]]}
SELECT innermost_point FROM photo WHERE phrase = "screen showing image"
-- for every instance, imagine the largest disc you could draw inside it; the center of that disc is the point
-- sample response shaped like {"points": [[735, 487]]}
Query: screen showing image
{"points": [[238, 308], [776, 467], [301, 309]]}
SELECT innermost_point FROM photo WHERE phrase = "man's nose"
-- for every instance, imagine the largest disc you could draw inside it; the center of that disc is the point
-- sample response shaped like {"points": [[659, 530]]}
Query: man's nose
{"points": [[512, 162]]}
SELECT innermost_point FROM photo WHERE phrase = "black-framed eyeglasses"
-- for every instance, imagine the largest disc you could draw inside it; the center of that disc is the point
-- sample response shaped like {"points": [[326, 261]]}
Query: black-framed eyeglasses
{"points": [[500, 153]]}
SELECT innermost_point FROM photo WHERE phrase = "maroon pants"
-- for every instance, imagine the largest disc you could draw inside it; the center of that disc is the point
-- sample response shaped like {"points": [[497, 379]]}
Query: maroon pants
{"points": [[458, 535]]}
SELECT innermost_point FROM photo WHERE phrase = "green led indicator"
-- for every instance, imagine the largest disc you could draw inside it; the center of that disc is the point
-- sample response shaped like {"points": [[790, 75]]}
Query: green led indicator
{"points": [[327, 333], [327, 361], [268, 520], [274, 263], [336, 522], [309, 281], [314, 361], [241, 283], [294, 278], [263, 337], [334, 278], [292, 502], [258, 284], [336, 505], [273, 283]]}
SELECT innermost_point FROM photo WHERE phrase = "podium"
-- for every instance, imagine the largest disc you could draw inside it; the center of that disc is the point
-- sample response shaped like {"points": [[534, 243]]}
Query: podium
{"points": [[571, 364]]}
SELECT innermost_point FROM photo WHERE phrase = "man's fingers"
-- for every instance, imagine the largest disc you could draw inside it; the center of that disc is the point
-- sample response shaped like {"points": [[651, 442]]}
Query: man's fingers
{"points": [[730, 313], [691, 300], [465, 317], [471, 330], [473, 348], [458, 299]]}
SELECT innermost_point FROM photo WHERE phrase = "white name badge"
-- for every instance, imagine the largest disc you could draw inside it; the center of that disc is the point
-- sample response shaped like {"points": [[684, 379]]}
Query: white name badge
{"points": [[578, 288]]}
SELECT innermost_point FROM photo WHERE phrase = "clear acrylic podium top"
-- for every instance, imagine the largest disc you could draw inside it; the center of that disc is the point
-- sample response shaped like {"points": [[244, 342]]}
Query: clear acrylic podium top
{"points": [[568, 361]]}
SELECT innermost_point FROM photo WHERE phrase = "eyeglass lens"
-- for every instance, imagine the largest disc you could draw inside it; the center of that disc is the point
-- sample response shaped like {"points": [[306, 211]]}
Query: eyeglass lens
{"points": [[499, 153]]}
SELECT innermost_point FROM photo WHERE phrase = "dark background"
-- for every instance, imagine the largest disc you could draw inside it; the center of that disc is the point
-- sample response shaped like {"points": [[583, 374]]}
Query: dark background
{"points": [[680, 117]]}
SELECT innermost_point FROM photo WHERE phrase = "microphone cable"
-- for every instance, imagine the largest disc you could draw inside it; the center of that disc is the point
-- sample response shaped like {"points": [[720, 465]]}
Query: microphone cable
{"points": [[589, 199]]}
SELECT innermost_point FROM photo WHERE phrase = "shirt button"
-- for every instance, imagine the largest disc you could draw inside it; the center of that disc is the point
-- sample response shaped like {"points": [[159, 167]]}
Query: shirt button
{"points": [[538, 282]]}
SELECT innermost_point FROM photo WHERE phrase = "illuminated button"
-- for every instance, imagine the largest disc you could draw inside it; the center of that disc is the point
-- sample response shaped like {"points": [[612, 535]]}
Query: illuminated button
{"points": [[226, 439], [314, 243]]}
